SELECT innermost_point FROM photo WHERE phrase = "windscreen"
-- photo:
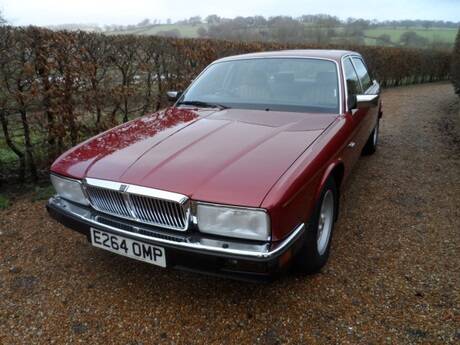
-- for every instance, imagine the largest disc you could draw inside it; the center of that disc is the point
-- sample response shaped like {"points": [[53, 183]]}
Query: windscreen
{"points": [[281, 84]]}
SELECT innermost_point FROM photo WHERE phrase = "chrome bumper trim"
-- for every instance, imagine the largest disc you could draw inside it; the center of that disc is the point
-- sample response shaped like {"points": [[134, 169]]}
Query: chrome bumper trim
{"points": [[205, 245]]}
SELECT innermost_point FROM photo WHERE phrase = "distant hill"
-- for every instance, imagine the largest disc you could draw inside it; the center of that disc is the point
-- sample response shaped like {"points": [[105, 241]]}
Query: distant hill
{"points": [[371, 36], [313, 29], [184, 30]]}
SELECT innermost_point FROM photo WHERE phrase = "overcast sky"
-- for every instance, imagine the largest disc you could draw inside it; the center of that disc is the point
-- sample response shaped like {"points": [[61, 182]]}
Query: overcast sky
{"points": [[45, 12]]}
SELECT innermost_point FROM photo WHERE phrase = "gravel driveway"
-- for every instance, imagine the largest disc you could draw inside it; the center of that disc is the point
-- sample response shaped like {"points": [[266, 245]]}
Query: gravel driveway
{"points": [[393, 277]]}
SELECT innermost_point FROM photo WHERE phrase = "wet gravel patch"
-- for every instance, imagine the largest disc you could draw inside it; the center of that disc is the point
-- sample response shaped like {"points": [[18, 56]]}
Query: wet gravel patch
{"points": [[393, 276]]}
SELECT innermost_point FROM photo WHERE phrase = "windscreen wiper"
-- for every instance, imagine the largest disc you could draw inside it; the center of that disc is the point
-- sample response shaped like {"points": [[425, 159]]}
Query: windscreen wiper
{"points": [[203, 104]]}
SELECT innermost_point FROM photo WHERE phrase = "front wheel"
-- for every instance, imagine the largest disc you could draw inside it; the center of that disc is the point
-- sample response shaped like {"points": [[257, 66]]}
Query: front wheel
{"points": [[371, 144], [315, 251]]}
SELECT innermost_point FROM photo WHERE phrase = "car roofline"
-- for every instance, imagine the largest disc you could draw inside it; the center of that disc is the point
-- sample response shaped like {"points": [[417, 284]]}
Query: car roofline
{"points": [[335, 55]]}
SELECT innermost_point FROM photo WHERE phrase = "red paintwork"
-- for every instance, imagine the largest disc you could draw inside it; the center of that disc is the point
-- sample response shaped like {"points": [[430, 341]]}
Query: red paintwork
{"points": [[274, 160]]}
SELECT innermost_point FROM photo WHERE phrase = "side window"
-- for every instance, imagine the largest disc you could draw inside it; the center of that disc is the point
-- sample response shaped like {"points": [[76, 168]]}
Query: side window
{"points": [[353, 86], [363, 75]]}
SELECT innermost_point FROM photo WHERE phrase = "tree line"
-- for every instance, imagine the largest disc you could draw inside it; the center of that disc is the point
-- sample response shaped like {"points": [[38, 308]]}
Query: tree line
{"points": [[58, 88], [455, 68], [320, 29], [317, 28], [315, 19]]}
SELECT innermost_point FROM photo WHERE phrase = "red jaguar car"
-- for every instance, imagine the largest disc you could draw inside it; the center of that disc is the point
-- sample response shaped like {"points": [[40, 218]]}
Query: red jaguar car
{"points": [[240, 177]]}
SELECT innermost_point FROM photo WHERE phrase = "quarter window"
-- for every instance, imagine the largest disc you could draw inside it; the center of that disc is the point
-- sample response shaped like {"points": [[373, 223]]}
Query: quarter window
{"points": [[363, 75]]}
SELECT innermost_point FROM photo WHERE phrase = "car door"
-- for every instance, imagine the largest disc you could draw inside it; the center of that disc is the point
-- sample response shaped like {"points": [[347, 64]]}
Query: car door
{"points": [[353, 117], [369, 115]]}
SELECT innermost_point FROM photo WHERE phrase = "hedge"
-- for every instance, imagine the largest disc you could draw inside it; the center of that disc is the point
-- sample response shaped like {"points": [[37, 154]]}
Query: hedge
{"points": [[455, 73], [58, 88]]}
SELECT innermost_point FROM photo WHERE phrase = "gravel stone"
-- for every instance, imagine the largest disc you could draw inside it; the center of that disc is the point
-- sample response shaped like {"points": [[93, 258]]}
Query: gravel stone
{"points": [[15, 269], [393, 275], [25, 283], [79, 328]]}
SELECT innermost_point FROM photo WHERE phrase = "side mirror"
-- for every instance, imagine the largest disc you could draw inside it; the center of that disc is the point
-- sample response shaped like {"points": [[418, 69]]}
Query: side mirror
{"points": [[367, 101], [362, 101], [173, 96], [352, 102]]}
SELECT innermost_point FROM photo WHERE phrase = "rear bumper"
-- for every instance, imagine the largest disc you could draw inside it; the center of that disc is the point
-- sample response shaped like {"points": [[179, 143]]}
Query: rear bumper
{"points": [[244, 260]]}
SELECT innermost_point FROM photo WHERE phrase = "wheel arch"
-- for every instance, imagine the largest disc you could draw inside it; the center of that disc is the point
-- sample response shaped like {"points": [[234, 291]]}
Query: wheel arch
{"points": [[336, 170]]}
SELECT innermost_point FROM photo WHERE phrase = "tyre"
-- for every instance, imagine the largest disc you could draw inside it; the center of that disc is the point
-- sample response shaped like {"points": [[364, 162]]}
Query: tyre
{"points": [[314, 252], [371, 144]]}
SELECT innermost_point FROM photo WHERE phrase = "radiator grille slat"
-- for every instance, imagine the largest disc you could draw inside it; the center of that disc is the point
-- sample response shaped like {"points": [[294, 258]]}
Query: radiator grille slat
{"points": [[145, 209], [165, 212], [160, 211]]}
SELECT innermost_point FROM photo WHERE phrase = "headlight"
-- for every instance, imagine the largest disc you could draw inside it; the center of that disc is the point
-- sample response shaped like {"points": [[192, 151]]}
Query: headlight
{"points": [[69, 189], [234, 222]]}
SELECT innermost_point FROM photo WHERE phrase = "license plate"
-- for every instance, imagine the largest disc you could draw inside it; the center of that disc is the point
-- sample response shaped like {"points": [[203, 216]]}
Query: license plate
{"points": [[128, 247]]}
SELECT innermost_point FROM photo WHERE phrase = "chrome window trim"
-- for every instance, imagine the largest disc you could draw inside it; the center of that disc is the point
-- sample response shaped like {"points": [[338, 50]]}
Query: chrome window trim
{"points": [[356, 71], [128, 189], [273, 57], [367, 70], [344, 79]]}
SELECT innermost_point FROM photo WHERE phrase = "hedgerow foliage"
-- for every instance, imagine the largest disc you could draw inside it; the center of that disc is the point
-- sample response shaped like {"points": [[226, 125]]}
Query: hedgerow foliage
{"points": [[456, 64], [57, 88]]}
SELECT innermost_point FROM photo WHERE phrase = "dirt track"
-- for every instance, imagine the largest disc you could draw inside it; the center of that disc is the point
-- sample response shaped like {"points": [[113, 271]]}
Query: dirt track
{"points": [[393, 277]]}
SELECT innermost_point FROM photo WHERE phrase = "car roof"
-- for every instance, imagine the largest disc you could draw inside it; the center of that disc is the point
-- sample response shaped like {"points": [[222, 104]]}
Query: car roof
{"points": [[330, 54]]}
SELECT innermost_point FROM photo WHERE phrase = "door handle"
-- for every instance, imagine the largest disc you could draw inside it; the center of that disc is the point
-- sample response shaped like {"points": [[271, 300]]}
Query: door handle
{"points": [[351, 144]]}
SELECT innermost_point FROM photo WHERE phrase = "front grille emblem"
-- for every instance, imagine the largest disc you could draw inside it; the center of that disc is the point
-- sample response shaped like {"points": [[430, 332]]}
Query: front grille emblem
{"points": [[123, 188]]}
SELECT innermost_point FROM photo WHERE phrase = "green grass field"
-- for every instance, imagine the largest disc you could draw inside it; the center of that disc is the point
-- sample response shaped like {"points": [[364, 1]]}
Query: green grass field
{"points": [[433, 34], [446, 35], [188, 31]]}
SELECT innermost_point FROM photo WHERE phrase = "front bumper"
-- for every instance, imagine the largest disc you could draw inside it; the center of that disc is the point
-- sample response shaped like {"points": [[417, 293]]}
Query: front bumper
{"points": [[192, 251]]}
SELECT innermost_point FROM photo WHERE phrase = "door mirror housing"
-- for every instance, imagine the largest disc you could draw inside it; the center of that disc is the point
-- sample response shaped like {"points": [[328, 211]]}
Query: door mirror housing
{"points": [[173, 96], [362, 101], [352, 102], [367, 101]]}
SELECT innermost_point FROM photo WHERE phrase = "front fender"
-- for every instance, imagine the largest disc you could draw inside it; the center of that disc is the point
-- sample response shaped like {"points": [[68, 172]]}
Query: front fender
{"points": [[336, 169]]}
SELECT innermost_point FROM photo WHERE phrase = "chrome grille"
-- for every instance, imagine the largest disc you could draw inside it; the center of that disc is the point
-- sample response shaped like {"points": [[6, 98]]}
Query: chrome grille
{"points": [[170, 214], [158, 211], [109, 201]]}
